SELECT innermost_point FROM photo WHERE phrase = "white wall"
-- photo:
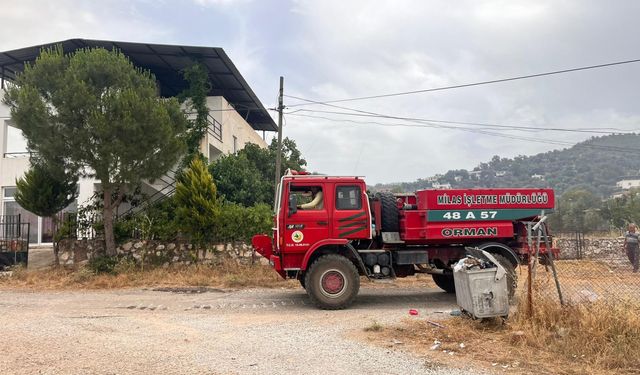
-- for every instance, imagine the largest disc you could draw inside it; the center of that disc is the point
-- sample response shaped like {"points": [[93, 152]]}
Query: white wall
{"points": [[10, 168], [628, 184], [232, 125]]}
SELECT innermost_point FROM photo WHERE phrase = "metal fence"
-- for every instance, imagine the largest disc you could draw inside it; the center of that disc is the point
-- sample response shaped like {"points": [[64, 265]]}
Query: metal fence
{"points": [[588, 271], [14, 240], [72, 225], [78, 226]]}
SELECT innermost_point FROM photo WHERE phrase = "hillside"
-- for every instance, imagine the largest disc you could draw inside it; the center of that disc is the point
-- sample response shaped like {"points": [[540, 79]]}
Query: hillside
{"points": [[597, 163]]}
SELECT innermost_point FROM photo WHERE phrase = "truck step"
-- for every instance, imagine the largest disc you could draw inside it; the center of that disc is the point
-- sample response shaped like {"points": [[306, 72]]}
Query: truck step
{"points": [[391, 237]]}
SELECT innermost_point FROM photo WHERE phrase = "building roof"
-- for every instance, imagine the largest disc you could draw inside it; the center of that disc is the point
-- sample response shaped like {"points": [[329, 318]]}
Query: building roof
{"points": [[166, 63]]}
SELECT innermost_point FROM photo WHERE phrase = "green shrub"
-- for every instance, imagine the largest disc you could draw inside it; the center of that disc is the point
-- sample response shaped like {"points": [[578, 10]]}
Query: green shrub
{"points": [[103, 264], [125, 265], [238, 223], [154, 221]]}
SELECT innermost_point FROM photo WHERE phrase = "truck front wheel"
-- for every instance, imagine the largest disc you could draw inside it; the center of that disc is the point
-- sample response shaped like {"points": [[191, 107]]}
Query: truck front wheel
{"points": [[332, 282]]}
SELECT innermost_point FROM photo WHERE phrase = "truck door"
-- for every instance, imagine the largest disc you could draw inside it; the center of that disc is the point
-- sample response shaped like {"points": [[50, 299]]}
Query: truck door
{"points": [[351, 218], [308, 224]]}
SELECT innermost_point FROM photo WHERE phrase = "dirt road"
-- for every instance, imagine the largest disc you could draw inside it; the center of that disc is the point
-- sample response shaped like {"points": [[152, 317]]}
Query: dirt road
{"points": [[257, 331]]}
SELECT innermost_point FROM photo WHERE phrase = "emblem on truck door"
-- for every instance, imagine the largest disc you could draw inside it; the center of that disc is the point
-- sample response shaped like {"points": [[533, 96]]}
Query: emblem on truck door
{"points": [[297, 236]]}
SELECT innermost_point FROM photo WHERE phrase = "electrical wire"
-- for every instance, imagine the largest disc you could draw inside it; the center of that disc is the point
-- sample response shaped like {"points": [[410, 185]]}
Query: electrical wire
{"points": [[479, 131], [484, 125], [501, 80]]}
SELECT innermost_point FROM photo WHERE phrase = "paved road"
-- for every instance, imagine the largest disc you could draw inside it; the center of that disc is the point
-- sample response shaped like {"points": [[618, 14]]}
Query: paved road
{"points": [[255, 331]]}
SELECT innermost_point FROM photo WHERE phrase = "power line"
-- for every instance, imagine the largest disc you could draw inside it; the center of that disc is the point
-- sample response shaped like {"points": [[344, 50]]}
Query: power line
{"points": [[479, 131], [501, 80], [486, 125]]}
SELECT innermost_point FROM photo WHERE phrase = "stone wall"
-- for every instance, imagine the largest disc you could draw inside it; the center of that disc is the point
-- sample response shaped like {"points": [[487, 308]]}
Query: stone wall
{"points": [[74, 252], [592, 248], [79, 252]]}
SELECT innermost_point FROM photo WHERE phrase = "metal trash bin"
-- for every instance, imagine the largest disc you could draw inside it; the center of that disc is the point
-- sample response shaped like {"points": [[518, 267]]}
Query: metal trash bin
{"points": [[483, 293]]}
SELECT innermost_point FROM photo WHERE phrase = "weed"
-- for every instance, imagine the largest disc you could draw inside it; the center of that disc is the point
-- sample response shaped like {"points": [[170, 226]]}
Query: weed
{"points": [[374, 327], [103, 264]]}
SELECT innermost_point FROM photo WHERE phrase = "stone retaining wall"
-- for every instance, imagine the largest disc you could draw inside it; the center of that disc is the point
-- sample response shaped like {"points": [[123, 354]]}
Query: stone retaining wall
{"points": [[592, 248], [74, 252], [78, 252]]}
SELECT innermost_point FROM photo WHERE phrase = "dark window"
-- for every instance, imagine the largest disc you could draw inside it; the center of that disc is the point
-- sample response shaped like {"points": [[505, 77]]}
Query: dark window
{"points": [[348, 198]]}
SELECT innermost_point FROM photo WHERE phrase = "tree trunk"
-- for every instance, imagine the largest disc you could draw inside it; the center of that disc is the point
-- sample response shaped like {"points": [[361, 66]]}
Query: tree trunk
{"points": [[107, 219]]}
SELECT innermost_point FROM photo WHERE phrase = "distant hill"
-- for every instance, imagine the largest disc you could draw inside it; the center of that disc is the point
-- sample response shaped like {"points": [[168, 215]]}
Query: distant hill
{"points": [[597, 164]]}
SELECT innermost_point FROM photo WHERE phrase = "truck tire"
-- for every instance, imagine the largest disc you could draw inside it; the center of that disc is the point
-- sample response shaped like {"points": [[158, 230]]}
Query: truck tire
{"points": [[332, 282], [512, 276], [301, 279], [444, 282], [390, 213]]}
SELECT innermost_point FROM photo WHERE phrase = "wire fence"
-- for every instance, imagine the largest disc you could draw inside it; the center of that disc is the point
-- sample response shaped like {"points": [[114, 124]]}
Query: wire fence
{"points": [[589, 271]]}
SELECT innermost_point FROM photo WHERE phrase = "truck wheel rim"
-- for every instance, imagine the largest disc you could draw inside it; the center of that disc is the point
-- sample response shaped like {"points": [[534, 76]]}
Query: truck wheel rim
{"points": [[333, 283]]}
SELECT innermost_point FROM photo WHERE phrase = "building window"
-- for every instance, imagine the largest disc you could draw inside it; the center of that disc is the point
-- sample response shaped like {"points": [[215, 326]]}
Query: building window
{"points": [[235, 144], [11, 208], [15, 144], [348, 198], [9, 192], [40, 228], [214, 153]]}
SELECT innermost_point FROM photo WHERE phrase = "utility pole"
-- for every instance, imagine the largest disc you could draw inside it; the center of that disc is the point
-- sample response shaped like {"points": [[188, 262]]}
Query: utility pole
{"points": [[279, 154]]}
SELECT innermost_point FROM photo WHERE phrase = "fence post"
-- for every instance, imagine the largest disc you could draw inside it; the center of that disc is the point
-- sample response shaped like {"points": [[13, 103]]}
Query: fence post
{"points": [[529, 271]]}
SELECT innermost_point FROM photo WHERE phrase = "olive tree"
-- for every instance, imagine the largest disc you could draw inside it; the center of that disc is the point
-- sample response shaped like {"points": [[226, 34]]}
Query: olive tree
{"points": [[103, 116]]}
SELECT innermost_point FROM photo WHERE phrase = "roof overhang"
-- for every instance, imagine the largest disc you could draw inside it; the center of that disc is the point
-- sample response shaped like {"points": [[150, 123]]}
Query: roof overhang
{"points": [[166, 62]]}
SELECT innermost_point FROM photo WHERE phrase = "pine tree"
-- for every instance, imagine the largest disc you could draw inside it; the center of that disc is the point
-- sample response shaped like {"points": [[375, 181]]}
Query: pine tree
{"points": [[103, 116]]}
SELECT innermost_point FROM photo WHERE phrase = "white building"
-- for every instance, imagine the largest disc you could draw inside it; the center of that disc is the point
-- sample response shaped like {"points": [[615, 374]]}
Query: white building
{"points": [[475, 174], [629, 182], [437, 185], [236, 114], [618, 194]]}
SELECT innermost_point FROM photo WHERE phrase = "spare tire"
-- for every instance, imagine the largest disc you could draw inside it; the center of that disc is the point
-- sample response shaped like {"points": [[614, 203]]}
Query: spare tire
{"points": [[390, 213]]}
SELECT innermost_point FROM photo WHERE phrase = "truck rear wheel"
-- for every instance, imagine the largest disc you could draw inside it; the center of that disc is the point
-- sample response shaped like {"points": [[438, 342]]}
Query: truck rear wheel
{"points": [[390, 213], [332, 282], [512, 276], [444, 282]]}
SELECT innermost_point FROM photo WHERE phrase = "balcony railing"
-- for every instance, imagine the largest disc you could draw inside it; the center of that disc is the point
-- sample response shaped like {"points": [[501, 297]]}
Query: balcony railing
{"points": [[214, 128]]}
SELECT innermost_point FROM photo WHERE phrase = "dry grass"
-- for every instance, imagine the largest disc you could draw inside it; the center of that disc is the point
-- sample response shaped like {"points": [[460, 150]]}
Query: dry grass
{"points": [[226, 274], [596, 338]]}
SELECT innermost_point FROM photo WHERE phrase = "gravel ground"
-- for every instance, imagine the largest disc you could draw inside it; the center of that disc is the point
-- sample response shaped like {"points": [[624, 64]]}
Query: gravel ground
{"points": [[256, 331]]}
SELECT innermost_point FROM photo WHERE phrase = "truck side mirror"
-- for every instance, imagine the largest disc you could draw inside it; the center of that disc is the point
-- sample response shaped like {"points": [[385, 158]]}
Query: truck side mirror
{"points": [[293, 204]]}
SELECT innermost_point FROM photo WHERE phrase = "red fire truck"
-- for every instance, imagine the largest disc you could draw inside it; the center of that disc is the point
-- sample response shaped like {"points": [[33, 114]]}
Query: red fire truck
{"points": [[342, 232]]}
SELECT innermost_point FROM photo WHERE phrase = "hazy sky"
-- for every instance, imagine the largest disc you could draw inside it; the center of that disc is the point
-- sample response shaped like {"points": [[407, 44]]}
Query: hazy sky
{"points": [[340, 49]]}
